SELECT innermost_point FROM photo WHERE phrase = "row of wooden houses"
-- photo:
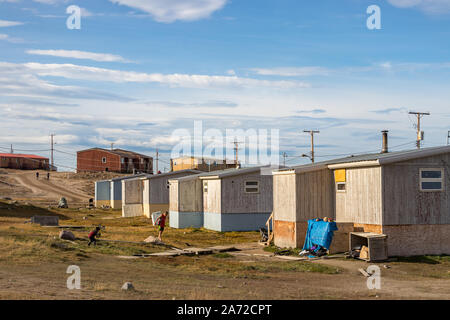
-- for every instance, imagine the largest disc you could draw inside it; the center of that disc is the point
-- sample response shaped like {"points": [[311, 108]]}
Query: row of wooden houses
{"points": [[402, 195]]}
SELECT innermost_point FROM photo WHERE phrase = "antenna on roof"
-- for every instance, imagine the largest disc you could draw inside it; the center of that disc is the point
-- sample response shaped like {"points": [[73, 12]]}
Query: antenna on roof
{"points": [[112, 146], [448, 137], [12, 151]]}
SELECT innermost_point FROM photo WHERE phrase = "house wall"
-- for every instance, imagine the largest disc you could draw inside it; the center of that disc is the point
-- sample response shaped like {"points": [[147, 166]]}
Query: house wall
{"points": [[91, 160], [416, 222], [235, 200], [186, 204], [362, 201], [173, 196], [116, 194], [228, 208], [132, 198], [102, 193], [24, 163], [156, 192], [297, 199], [196, 164], [285, 210], [403, 201], [212, 204]]}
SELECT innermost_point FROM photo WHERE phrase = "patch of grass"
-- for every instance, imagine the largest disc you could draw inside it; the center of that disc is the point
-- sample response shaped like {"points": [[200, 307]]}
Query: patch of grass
{"points": [[282, 251], [222, 255], [291, 267], [425, 259]]}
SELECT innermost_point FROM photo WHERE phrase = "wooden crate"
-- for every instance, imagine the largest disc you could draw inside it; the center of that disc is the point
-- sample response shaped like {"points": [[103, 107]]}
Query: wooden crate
{"points": [[377, 244]]}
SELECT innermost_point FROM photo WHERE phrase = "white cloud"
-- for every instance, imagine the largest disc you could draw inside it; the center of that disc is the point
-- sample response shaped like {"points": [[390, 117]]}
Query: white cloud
{"points": [[292, 71], [75, 54], [6, 23], [72, 71], [172, 10], [429, 6], [6, 37]]}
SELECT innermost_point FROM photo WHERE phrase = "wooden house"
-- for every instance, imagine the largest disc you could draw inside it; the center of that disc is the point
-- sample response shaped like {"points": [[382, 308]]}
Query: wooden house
{"points": [[404, 195], [186, 202], [236, 199], [144, 195]]}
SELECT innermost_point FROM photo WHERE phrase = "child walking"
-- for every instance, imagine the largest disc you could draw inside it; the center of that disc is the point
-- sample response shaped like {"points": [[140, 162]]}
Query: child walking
{"points": [[161, 223]]}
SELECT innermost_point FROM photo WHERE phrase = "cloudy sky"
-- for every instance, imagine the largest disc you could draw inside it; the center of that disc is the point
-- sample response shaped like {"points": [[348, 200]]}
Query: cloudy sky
{"points": [[137, 70]]}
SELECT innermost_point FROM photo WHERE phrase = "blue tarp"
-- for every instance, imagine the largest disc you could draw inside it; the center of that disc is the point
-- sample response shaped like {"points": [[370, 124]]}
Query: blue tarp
{"points": [[319, 233]]}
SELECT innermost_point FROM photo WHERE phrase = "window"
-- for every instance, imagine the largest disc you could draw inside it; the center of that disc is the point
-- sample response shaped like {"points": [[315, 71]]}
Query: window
{"points": [[104, 160], [205, 187], [340, 186], [431, 180], [122, 160], [251, 187]]}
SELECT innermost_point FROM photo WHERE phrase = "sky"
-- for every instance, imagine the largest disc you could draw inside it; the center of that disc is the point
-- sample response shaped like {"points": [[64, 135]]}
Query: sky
{"points": [[139, 71]]}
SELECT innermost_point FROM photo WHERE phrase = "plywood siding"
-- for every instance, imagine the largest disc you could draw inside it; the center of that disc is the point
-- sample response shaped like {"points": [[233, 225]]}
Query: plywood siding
{"points": [[190, 196], [235, 200], [173, 196], [315, 195], [284, 198], [159, 187], [405, 204], [212, 198], [362, 201], [132, 191]]}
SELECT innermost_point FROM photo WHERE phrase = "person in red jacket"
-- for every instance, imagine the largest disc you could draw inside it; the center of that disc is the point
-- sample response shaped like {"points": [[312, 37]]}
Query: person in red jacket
{"points": [[161, 223], [94, 233]]}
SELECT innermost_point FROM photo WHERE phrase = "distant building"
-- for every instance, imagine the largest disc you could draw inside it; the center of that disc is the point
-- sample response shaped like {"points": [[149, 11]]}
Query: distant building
{"points": [[116, 160], [199, 163], [23, 161]]}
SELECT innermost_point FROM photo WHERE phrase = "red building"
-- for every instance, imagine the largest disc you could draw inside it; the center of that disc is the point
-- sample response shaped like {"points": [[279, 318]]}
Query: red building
{"points": [[23, 161], [116, 160]]}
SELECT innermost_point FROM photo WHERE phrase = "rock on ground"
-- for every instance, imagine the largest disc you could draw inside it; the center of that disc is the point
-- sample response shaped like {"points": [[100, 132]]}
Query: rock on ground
{"points": [[152, 239], [67, 235], [127, 286]]}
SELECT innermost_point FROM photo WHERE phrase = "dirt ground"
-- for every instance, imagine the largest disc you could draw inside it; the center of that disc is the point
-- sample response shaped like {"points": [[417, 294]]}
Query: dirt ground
{"points": [[33, 265], [22, 185]]}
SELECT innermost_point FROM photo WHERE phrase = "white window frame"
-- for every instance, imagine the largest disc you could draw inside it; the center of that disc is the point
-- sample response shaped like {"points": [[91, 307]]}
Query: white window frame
{"points": [[341, 183], [441, 179], [103, 159], [246, 187]]}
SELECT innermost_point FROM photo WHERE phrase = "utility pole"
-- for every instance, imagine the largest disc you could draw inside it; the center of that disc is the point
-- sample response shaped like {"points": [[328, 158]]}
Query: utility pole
{"points": [[51, 156], [157, 160], [448, 137], [284, 158], [12, 150], [312, 132], [236, 152], [112, 146], [420, 134]]}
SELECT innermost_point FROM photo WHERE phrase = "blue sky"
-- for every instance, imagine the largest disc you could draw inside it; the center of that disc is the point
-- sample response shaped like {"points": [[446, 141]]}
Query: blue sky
{"points": [[138, 70]]}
